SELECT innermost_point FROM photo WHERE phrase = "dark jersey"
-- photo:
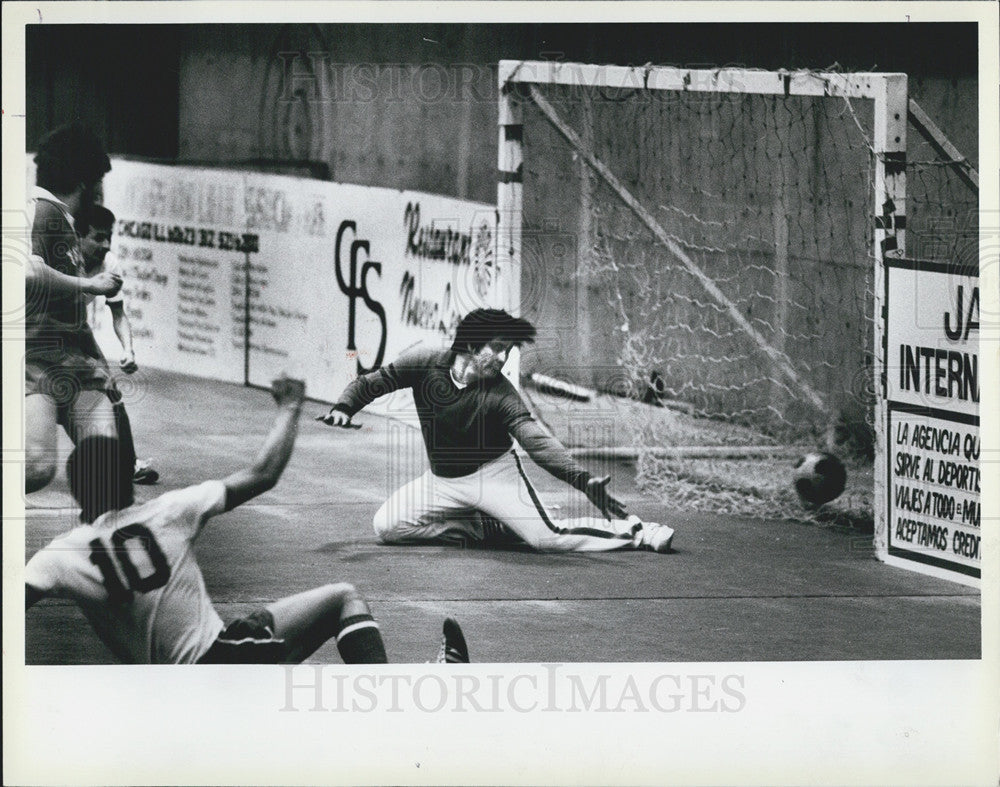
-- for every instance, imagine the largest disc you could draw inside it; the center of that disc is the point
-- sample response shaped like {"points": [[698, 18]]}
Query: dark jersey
{"points": [[51, 318], [463, 428]]}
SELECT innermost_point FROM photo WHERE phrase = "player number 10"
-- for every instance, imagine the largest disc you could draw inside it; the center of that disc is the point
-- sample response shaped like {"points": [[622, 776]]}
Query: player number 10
{"points": [[134, 583]]}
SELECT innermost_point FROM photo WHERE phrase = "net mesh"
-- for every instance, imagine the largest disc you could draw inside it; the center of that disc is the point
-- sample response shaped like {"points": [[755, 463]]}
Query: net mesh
{"points": [[772, 198], [942, 211], [769, 196]]}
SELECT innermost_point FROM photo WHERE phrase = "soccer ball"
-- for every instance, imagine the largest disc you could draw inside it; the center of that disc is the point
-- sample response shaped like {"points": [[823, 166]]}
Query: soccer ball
{"points": [[819, 477]]}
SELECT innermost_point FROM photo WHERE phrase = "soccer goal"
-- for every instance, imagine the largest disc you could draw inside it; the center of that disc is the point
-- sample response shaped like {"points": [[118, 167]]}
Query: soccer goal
{"points": [[714, 240], [734, 218]]}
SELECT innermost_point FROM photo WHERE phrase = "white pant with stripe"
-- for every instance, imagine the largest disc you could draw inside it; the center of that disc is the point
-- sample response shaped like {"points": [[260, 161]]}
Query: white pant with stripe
{"points": [[444, 509]]}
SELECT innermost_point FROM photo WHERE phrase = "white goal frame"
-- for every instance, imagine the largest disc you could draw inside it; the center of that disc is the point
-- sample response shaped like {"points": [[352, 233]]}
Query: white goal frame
{"points": [[518, 81]]}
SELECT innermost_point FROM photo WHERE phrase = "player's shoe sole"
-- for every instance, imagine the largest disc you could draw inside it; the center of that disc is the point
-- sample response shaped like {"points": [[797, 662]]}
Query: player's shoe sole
{"points": [[453, 648]]}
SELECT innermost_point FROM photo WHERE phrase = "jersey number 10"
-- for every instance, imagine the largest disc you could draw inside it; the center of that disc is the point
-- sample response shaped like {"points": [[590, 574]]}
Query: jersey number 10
{"points": [[105, 561]]}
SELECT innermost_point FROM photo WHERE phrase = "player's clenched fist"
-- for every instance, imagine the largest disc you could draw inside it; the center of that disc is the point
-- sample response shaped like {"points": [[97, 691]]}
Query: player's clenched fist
{"points": [[128, 364], [287, 391], [104, 283]]}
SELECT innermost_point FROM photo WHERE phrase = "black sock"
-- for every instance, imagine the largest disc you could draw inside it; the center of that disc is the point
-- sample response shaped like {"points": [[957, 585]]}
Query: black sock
{"points": [[359, 641], [124, 434]]}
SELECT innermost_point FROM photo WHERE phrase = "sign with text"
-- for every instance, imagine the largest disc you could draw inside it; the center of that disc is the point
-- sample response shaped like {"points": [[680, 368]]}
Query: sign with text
{"points": [[932, 418], [934, 506], [932, 330], [181, 240], [348, 276], [243, 276]]}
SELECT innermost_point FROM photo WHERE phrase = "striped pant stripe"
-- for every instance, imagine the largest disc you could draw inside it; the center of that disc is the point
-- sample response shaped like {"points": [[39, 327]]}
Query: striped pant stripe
{"points": [[570, 531]]}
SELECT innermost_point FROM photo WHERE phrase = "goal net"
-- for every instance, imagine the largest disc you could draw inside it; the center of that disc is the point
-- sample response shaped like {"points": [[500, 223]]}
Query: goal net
{"points": [[942, 196], [724, 232]]}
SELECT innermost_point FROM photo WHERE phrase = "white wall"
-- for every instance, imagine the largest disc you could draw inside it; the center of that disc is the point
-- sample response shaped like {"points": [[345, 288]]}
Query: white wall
{"points": [[411, 263]]}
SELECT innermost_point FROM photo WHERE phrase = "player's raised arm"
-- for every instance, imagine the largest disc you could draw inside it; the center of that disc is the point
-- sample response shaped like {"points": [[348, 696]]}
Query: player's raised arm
{"points": [[246, 484]]}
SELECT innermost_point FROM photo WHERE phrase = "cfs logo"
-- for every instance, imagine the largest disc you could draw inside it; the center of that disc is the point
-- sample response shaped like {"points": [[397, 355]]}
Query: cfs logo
{"points": [[355, 286]]}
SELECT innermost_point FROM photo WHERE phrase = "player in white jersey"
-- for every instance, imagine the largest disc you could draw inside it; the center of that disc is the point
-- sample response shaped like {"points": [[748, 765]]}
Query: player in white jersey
{"points": [[96, 228], [132, 569]]}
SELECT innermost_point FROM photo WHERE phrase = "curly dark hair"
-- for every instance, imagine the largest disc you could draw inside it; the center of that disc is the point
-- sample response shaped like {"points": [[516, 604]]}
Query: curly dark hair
{"points": [[97, 217], [482, 326], [68, 156]]}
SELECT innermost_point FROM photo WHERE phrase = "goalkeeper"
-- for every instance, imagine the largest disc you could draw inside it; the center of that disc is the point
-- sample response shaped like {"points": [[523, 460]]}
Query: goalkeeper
{"points": [[476, 489]]}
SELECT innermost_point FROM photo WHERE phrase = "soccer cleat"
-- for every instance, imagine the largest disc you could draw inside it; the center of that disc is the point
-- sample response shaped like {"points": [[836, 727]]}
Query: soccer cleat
{"points": [[453, 648], [144, 474], [657, 537]]}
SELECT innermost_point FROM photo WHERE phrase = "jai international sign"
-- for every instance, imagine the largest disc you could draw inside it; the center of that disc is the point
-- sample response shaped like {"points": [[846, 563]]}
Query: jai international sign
{"points": [[932, 418]]}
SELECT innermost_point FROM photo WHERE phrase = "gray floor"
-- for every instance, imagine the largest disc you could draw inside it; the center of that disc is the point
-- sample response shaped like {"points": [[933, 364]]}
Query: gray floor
{"points": [[734, 589]]}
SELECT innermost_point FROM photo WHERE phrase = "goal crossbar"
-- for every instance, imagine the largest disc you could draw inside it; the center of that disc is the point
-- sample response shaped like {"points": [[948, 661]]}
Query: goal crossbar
{"points": [[720, 80]]}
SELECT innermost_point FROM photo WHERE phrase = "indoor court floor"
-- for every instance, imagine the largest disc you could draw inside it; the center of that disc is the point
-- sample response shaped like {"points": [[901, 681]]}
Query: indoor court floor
{"points": [[733, 589]]}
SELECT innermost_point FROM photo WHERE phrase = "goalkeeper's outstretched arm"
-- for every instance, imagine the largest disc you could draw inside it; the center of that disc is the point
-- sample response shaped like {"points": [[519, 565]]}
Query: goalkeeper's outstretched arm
{"points": [[362, 391], [549, 454]]}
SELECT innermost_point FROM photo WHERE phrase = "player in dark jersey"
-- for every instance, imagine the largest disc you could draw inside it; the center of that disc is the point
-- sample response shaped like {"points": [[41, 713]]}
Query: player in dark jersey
{"points": [[469, 413], [132, 569], [66, 377]]}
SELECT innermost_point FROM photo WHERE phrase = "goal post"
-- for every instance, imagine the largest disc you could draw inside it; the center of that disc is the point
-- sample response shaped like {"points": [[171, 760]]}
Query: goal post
{"points": [[736, 225]]}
